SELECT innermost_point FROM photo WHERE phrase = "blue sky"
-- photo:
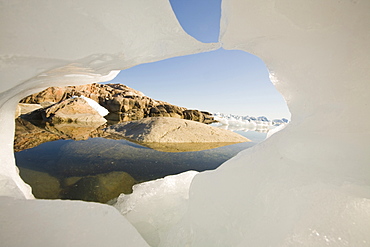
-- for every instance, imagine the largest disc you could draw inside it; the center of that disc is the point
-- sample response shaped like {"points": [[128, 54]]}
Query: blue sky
{"points": [[231, 82]]}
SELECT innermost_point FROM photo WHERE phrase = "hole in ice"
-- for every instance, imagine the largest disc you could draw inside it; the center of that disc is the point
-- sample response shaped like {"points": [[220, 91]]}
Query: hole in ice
{"points": [[82, 161], [200, 19], [86, 163]]}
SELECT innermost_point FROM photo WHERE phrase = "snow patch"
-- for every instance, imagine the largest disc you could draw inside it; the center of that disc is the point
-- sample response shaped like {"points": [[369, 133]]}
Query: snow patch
{"points": [[100, 109]]}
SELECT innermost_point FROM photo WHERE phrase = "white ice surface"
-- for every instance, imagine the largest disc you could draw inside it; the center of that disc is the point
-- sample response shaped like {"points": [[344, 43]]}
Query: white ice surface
{"points": [[69, 43], [275, 130], [59, 43], [307, 185], [57, 223], [167, 199]]}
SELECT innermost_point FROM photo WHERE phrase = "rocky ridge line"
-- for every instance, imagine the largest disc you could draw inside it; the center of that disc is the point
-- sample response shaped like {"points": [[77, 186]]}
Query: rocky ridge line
{"points": [[123, 103]]}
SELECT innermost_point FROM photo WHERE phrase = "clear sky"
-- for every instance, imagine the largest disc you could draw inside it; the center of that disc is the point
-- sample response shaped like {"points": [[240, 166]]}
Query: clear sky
{"points": [[230, 82]]}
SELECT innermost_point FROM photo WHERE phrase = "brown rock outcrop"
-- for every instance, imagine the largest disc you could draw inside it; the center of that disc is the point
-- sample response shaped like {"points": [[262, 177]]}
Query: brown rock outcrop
{"points": [[121, 101], [72, 110], [167, 110], [199, 116], [172, 130]]}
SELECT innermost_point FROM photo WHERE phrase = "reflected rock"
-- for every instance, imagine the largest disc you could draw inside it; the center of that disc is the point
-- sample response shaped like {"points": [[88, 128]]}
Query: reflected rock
{"points": [[31, 134], [66, 159], [100, 188], [76, 131], [44, 186], [173, 130], [184, 146], [25, 133]]}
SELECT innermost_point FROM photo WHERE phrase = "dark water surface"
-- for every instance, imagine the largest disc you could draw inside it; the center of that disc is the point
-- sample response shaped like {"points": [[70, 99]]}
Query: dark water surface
{"points": [[99, 169]]}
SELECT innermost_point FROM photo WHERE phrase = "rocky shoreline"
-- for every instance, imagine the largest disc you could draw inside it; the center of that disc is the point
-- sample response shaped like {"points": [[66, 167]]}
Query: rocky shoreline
{"points": [[74, 113], [122, 102], [172, 130], [79, 113]]}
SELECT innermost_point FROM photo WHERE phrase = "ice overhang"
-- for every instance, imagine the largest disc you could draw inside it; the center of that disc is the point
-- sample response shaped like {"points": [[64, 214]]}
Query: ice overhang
{"points": [[317, 54]]}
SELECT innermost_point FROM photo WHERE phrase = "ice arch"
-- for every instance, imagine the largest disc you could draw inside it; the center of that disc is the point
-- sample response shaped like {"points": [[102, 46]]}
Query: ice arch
{"points": [[69, 43], [307, 186]]}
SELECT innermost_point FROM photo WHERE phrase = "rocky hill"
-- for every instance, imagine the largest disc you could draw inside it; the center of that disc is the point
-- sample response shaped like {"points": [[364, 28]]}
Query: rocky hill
{"points": [[123, 103]]}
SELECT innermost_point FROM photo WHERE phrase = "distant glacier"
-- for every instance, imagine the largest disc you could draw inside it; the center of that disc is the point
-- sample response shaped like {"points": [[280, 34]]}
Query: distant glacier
{"points": [[247, 123]]}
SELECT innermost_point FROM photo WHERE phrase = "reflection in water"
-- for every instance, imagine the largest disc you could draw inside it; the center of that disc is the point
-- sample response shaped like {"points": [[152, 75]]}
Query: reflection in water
{"points": [[185, 146], [65, 158], [99, 169]]}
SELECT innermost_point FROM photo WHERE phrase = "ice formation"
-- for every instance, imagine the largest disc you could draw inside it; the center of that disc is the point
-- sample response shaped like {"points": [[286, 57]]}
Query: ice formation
{"points": [[69, 43], [60, 223], [247, 123], [308, 185], [167, 199]]}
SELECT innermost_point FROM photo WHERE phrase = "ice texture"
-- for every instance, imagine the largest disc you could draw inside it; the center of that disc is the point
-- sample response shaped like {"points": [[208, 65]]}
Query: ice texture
{"points": [[76, 42], [167, 199], [60, 43], [58, 223], [307, 185]]}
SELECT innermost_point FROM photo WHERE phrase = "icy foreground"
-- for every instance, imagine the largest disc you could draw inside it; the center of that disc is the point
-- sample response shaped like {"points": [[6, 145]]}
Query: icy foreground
{"points": [[308, 185], [167, 199], [64, 223]]}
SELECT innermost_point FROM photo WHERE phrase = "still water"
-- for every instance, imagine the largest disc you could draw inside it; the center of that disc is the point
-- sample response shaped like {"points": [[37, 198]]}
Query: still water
{"points": [[99, 169]]}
